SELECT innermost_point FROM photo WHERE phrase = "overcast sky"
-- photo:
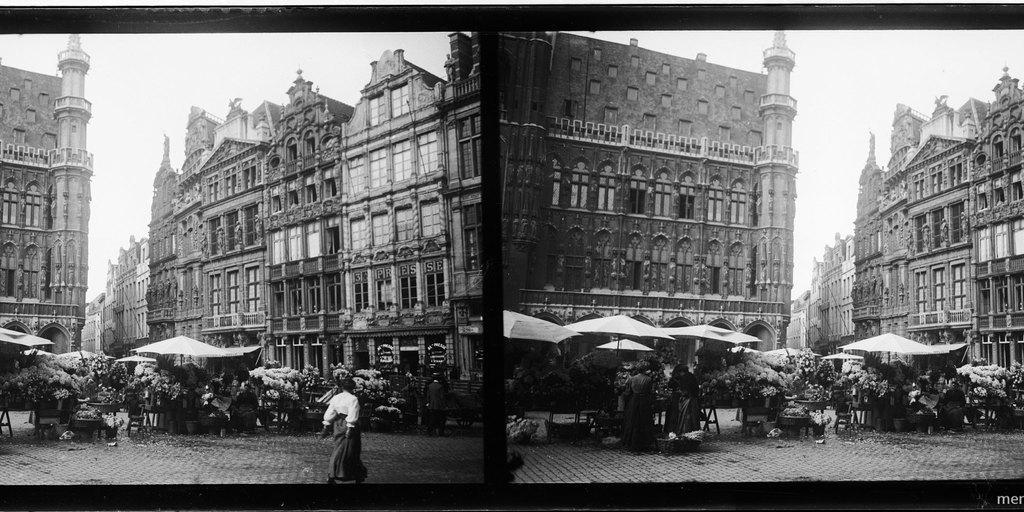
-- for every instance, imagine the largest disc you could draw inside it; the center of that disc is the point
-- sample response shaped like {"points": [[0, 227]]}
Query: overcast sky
{"points": [[142, 86], [846, 84]]}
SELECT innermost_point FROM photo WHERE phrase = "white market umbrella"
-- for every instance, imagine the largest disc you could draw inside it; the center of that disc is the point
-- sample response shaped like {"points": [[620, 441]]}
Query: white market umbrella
{"points": [[741, 348], [625, 344], [890, 342], [945, 349], [238, 351], [136, 359], [181, 345], [843, 355], [37, 352], [20, 338], [710, 332], [519, 326], [621, 325]]}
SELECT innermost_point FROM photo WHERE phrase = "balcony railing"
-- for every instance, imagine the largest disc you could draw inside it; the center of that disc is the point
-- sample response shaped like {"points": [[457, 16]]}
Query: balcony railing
{"points": [[941, 318], [246, 319], [778, 99], [777, 155], [779, 52], [38, 309], [290, 167], [308, 161], [72, 102], [311, 266], [70, 156], [463, 88]]}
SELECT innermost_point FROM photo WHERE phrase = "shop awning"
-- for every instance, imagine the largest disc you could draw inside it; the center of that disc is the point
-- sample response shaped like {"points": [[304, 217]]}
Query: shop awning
{"points": [[945, 349], [238, 351]]}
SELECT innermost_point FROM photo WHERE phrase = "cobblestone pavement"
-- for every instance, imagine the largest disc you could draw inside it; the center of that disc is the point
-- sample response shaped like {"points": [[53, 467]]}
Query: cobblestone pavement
{"points": [[261, 458], [850, 455]]}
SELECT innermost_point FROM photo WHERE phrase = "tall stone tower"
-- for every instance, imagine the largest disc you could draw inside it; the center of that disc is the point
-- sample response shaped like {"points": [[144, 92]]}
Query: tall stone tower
{"points": [[776, 167], [72, 175]]}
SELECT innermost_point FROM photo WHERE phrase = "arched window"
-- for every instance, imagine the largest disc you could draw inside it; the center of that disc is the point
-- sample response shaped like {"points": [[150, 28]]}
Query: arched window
{"points": [[663, 195], [31, 267], [291, 150], [606, 187], [997, 147], [580, 186], [687, 198], [10, 204], [556, 182], [737, 285], [635, 262], [738, 203], [34, 206], [660, 256], [574, 260], [684, 266], [716, 200], [714, 267], [637, 196], [310, 144], [602, 262], [8, 270]]}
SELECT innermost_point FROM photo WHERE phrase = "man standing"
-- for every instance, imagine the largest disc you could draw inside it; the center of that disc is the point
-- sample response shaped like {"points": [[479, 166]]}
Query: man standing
{"points": [[436, 405]]}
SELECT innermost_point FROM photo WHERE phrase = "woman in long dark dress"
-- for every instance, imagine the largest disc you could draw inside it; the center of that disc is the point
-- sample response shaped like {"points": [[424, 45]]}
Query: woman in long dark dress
{"points": [[688, 414], [343, 413], [638, 422]]}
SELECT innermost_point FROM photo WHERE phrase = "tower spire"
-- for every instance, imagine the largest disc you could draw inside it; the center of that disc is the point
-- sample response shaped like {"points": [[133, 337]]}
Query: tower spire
{"points": [[167, 152], [871, 148]]}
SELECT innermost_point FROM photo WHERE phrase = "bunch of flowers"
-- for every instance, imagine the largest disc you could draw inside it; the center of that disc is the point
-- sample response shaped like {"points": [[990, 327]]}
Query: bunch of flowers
{"points": [[815, 393], [153, 381], [283, 380], [797, 411], [868, 380], [370, 386], [985, 381], [825, 375], [310, 378], [86, 412], [109, 395], [805, 365], [46, 379], [756, 375], [520, 430], [820, 419], [396, 400], [1015, 377], [271, 394]]}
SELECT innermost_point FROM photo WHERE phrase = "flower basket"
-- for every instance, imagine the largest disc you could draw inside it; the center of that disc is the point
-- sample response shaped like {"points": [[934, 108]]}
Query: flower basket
{"points": [[793, 421], [676, 445], [812, 405]]}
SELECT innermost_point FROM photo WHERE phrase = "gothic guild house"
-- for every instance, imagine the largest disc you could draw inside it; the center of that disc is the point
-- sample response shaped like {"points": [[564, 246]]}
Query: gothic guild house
{"points": [[331, 233], [45, 174], [646, 184]]}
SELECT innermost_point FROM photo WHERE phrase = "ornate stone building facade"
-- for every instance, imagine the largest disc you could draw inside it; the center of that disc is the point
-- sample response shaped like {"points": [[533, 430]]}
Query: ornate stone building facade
{"points": [[45, 176], [646, 184], [914, 276], [997, 227], [331, 233], [126, 296], [832, 282]]}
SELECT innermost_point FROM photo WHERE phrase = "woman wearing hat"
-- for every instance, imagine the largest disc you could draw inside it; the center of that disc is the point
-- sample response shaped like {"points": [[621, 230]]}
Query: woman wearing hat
{"points": [[343, 413]]}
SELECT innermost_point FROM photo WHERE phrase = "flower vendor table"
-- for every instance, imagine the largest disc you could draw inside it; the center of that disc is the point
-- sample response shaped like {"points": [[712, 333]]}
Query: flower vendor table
{"points": [[793, 424]]}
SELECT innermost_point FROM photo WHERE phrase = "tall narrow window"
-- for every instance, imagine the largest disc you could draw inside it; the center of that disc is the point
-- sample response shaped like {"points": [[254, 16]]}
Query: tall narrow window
{"points": [[430, 214], [637, 196], [357, 174], [984, 244], [313, 239], [716, 198], [334, 293], [400, 101], [384, 288], [687, 201], [1000, 241], [606, 193], [663, 198], [360, 290], [295, 243], [215, 294], [469, 146], [233, 296], [252, 289], [358, 233], [278, 247], [381, 230], [378, 111], [33, 206], [579, 190], [427, 144], [738, 205], [313, 297], [922, 290], [401, 160], [433, 274], [405, 221], [472, 226], [407, 285], [957, 280], [939, 289], [378, 168]]}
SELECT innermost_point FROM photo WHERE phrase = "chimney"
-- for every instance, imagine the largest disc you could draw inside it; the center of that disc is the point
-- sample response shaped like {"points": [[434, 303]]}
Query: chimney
{"points": [[702, 57], [462, 54], [633, 41]]}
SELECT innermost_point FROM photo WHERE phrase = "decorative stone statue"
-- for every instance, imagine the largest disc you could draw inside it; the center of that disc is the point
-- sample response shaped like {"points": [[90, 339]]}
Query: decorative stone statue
{"points": [[238, 235]]}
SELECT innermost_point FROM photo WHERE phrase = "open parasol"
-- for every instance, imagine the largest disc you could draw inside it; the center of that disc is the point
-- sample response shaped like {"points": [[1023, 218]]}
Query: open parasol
{"points": [[23, 339], [181, 345], [524, 327], [621, 325], [710, 332]]}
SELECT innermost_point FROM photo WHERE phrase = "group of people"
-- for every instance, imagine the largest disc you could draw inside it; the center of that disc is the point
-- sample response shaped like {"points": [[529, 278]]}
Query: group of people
{"points": [[682, 412], [950, 406]]}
